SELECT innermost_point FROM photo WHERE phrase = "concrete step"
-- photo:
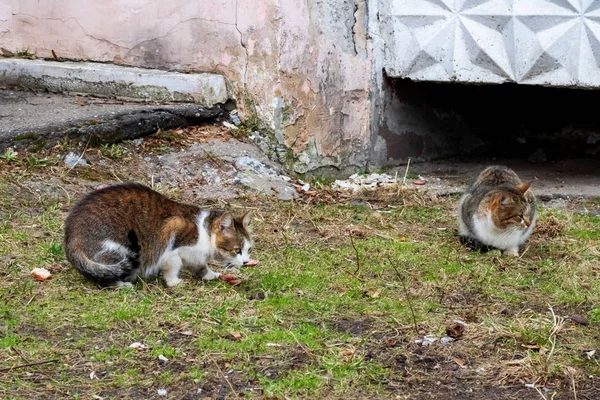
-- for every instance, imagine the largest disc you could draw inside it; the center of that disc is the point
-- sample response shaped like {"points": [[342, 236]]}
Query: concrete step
{"points": [[30, 120], [114, 81]]}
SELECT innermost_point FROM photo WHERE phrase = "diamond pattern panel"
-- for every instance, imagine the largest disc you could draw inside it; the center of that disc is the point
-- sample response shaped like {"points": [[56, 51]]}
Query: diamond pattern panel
{"points": [[538, 42]]}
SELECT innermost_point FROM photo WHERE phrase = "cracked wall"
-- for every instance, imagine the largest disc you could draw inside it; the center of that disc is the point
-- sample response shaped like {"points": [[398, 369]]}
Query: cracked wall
{"points": [[303, 65]]}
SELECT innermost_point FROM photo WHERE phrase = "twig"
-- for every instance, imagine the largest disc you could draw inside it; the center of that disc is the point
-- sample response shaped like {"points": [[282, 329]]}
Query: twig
{"points": [[355, 252], [19, 353], [28, 365], [540, 392], [412, 311], [308, 353], [223, 373], [406, 172], [573, 383]]}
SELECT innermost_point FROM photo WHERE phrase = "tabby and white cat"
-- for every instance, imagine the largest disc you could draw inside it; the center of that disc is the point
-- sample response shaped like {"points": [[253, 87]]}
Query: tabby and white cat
{"points": [[497, 211], [119, 233]]}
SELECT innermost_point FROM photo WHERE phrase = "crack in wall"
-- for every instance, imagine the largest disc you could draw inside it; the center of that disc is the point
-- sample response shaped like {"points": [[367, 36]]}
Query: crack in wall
{"points": [[129, 49], [245, 50]]}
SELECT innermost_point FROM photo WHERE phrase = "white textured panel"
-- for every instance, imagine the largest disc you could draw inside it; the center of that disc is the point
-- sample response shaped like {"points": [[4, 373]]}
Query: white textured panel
{"points": [[537, 42]]}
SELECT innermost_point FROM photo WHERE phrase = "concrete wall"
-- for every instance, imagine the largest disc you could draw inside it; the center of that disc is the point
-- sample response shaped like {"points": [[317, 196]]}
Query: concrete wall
{"points": [[305, 65]]}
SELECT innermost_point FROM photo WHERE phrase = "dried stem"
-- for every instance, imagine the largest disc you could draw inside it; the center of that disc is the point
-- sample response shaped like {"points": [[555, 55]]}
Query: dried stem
{"points": [[224, 376], [412, 311], [406, 172], [28, 365], [355, 252]]}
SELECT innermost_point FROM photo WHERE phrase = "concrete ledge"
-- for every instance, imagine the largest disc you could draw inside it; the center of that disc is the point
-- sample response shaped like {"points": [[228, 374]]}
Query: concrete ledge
{"points": [[114, 81], [30, 121]]}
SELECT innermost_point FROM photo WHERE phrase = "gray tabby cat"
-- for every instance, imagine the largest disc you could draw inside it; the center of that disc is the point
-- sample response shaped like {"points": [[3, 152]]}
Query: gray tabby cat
{"points": [[497, 211]]}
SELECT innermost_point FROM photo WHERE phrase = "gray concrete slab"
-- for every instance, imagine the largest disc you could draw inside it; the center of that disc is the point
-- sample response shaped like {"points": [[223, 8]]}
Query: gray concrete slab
{"points": [[572, 178], [34, 120]]}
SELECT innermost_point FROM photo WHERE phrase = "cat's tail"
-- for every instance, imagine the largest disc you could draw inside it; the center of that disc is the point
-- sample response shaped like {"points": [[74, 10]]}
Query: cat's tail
{"points": [[116, 265]]}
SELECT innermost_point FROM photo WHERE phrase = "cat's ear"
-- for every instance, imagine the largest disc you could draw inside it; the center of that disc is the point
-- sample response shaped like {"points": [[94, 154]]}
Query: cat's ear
{"points": [[225, 221], [246, 220], [523, 187]]}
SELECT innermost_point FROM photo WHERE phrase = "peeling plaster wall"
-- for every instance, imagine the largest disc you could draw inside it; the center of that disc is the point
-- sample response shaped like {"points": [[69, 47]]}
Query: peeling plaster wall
{"points": [[305, 65]]}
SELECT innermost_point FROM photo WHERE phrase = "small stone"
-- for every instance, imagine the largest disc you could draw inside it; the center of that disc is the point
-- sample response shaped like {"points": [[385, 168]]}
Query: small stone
{"points": [[235, 118], [163, 359], [306, 187], [147, 159], [73, 158], [138, 142], [162, 392], [257, 296]]}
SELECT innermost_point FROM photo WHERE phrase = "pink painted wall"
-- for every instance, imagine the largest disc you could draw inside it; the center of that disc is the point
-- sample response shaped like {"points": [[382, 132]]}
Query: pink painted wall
{"points": [[303, 64]]}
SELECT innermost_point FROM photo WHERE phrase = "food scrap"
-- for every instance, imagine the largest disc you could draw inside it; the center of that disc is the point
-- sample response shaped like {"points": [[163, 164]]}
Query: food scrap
{"points": [[41, 274], [231, 279]]}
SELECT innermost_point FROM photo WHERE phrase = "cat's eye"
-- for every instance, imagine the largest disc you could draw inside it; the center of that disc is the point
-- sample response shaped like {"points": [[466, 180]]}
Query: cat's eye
{"points": [[237, 250]]}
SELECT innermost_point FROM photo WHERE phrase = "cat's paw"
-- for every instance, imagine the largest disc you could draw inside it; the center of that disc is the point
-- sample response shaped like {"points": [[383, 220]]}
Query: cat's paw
{"points": [[173, 282], [512, 252], [121, 284], [210, 275]]}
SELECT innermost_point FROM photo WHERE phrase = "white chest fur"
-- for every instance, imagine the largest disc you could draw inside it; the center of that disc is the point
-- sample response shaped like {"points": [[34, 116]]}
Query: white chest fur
{"points": [[503, 239]]}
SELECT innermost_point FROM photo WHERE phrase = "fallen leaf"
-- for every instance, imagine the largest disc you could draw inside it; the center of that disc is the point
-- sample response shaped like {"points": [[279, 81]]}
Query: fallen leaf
{"points": [[235, 335], [376, 293], [187, 333], [460, 362], [531, 346], [455, 330], [419, 182], [346, 354], [41, 274], [391, 342]]}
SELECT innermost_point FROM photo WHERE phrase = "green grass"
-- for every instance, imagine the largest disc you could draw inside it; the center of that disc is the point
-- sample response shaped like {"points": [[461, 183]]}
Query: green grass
{"points": [[324, 327]]}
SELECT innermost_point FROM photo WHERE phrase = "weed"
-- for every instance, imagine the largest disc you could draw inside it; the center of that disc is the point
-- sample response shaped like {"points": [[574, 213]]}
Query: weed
{"points": [[9, 155], [114, 151], [34, 161]]}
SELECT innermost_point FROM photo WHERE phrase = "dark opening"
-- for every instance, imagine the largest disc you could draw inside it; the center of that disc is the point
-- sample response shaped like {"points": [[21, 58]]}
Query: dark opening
{"points": [[428, 121]]}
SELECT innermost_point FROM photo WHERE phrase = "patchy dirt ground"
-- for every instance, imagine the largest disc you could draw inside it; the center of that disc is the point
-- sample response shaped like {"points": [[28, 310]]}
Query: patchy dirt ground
{"points": [[356, 296]]}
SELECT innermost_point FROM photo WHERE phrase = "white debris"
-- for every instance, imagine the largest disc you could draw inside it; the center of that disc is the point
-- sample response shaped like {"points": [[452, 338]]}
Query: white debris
{"points": [[590, 354], [138, 346], [427, 340], [93, 375], [162, 392], [458, 321], [162, 358], [229, 125], [447, 339], [73, 158], [357, 182], [306, 187]]}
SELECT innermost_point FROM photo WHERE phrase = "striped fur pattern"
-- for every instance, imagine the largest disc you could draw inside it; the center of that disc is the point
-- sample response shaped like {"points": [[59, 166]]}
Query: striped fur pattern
{"points": [[120, 233], [497, 211]]}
